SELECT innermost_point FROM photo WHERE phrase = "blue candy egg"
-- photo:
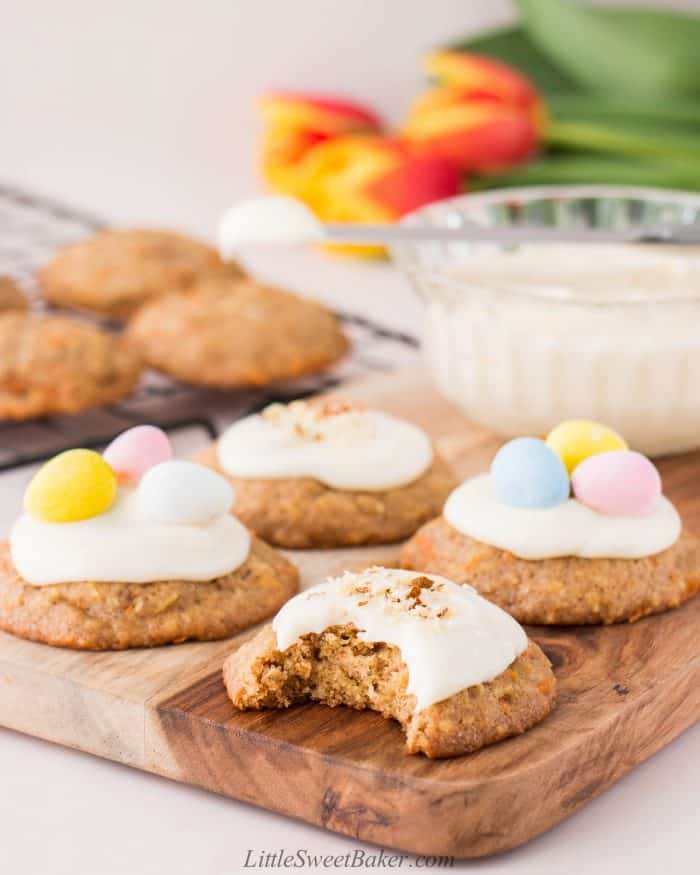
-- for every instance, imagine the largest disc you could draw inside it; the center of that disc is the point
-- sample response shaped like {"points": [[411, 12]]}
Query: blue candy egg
{"points": [[525, 472]]}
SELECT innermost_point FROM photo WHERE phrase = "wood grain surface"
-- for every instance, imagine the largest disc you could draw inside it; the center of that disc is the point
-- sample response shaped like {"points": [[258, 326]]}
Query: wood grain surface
{"points": [[625, 692]]}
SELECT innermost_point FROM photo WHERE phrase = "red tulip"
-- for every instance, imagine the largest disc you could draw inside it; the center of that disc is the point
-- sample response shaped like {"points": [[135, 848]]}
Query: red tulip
{"points": [[297, 122], [365, 179], [485, 117], [480, 77]]}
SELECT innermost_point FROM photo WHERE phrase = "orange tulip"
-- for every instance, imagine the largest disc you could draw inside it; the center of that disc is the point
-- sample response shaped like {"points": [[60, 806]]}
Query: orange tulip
{"points": [[478, 135], [481, 77], [484, 116], [313, 112], [367, 179], [330, 154], [297, 122]]}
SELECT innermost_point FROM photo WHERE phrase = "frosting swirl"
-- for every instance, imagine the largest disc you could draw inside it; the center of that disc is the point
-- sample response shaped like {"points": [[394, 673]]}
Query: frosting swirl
{"points": [[342, 445], [449, 636], [125, 544], [566, 529]]}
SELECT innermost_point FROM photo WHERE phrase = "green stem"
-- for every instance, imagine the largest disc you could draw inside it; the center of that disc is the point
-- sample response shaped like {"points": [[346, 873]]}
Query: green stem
{"points": [[611, 108], [651, 143], [582, 169]]}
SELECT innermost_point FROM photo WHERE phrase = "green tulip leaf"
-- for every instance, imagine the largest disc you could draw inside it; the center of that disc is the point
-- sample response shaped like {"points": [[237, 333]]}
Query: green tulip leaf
{"points": [[593, 170], [635, 141], [627, 51], [674, 114]]}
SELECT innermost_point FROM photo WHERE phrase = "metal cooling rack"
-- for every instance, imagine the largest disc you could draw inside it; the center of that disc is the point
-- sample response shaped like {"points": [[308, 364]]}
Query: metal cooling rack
{"points": [[32, 228]]}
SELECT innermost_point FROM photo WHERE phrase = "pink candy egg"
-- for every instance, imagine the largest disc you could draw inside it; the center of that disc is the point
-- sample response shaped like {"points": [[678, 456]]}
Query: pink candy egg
{"points": [[619, 483], [133, 452]]}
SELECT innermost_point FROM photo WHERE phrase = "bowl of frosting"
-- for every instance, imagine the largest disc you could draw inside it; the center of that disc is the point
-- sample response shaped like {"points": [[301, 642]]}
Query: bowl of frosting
{"points": [[523, 337]]}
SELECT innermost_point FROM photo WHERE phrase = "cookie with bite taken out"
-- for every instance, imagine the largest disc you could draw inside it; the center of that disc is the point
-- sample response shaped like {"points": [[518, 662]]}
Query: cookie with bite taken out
{"points": [[451, 668]]}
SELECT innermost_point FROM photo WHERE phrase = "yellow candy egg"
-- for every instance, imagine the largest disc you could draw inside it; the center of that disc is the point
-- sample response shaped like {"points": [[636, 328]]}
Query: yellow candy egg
{"points": [[577, 439], [72, 486]]}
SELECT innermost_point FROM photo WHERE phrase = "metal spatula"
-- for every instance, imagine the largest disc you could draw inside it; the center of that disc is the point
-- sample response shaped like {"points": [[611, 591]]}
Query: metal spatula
{"points": [[277, 220]]}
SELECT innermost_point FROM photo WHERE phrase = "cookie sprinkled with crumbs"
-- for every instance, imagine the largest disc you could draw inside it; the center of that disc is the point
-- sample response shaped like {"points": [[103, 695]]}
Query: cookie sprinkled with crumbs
{"points": [[326, 472], [420, 649]]}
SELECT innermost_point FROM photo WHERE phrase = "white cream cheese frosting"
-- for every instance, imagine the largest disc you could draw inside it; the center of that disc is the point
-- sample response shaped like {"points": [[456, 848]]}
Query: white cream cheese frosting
{"points": [[567, 529], [272, 220], [125, 544], [450, 637], [343, 446]]}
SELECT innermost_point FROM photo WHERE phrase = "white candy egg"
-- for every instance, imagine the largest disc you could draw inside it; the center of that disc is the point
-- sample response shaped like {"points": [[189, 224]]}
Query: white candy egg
{"points": [[184, 492]]}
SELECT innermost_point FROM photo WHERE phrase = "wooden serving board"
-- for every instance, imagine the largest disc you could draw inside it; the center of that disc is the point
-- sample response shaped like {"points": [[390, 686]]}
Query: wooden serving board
{"points": [[625, 692]]}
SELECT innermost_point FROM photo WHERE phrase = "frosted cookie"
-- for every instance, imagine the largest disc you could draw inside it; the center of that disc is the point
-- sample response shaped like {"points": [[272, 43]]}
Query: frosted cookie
{"points": [[51, 365], [567, 532], [11, 297], [115, 272], [327, 473], [227, 332], [453, 669], [133, 549]]}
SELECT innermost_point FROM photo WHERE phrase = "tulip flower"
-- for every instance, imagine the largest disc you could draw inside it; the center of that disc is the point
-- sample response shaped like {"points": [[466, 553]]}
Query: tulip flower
{"points": [[311, 112], [481, 136], [480, 77], [356, 178], [294, 123], [368, 179], [483, 115], [333, 155]]}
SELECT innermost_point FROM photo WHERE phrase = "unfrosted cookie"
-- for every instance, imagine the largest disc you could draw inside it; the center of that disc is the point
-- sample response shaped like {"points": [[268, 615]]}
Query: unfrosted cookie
{"points": [[302, 513], [229, 332], [97, 615], [566, 590], [11, 297], [115, 272], [51, 365], [349, 663]]}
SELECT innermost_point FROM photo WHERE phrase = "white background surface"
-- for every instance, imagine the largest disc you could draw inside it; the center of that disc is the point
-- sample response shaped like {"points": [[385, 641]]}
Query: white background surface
{"points": [[142, 111]]}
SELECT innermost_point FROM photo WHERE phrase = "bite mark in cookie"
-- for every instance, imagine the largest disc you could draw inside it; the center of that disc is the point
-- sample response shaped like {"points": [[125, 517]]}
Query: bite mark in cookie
{"points": [[455, 671]]}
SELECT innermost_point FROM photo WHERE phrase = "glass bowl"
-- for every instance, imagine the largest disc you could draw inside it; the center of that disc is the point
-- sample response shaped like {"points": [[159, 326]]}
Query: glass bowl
{"points": [[523, 337]]}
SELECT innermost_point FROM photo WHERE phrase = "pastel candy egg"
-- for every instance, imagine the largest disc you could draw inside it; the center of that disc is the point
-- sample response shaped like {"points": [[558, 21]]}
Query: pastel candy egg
{"points": [[73, 486], [184, 492], [525, 472], [136, 450], [577, 439], [619, 483]]}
